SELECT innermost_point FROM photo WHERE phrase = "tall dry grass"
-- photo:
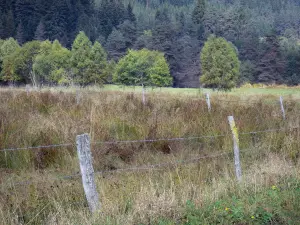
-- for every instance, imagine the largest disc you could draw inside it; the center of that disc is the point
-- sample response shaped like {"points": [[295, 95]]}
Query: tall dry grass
{"points": [[43, 118]]}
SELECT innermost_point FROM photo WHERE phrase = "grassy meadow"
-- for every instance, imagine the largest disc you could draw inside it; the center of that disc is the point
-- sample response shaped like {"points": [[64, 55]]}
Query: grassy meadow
{"points": [[34, 189]]}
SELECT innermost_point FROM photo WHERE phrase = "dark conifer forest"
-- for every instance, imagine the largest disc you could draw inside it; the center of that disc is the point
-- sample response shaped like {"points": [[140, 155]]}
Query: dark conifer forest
{"points": [[265, 33]]}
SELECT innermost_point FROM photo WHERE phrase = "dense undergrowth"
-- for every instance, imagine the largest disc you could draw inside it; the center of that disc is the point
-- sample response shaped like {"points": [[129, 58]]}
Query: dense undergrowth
{"points": [[32, 191]]}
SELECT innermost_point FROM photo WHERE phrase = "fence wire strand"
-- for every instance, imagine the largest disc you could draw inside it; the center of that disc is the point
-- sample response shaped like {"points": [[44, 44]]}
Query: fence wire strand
{"points": [[269, 130], [149, 140], [160, 139], [36, 147], [158, 166], [129, 169]]}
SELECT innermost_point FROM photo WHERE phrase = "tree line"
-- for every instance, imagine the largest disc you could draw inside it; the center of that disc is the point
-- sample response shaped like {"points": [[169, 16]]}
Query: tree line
{"points": [[86, 63], [265, 34]]}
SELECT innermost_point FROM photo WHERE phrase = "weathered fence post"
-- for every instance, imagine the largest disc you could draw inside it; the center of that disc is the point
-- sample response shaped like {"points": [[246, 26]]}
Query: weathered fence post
{"points": [[143, 93], [235, 137], [77, 97], [27, 89], [207, 97], [282, 107], [87, 171]]}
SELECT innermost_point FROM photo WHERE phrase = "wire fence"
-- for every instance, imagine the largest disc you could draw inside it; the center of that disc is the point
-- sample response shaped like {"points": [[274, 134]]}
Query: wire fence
{"points": [[150, 167], [128, 169], [149, 140], [134, 169]]}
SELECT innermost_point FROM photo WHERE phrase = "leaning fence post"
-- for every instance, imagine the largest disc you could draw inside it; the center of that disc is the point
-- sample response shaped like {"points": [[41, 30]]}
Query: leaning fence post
{"points": [[207, 97], [235, 137], [282, 107], [87, 171]]}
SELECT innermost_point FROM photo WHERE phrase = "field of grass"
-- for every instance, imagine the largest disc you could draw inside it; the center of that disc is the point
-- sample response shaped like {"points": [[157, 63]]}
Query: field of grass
{"points": [[256, 90], [32, 185], [247, 90]]}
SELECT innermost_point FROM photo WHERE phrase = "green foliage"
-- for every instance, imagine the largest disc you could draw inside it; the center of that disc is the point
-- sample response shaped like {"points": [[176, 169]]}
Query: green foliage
{"points": [[247, 72], [8, 47], [116, 44], [52, 63], [17, 61], [271, 63], [18, 65], [98, 69], [267, 207], [174, 23], [143, 67], [220, 64], [88, 62], [199, 12]]}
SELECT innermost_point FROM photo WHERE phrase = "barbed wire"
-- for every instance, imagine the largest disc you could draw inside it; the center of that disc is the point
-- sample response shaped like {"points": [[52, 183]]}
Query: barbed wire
{"points": [[160, 139], [148, 140], [162, 165], [269, 130], [129, 169], [158, 166], [36, 147]]}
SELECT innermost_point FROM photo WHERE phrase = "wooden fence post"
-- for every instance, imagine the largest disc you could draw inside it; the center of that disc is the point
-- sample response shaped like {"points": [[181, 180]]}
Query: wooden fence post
{"points": [[87, 171], [282, 107], [207, 97], [235, 137], [143, 93], [27, 89], [78, 96]]}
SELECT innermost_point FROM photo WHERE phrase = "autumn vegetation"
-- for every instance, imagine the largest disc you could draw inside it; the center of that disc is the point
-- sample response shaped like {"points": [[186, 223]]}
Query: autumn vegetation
{"points": [[34, 188]]}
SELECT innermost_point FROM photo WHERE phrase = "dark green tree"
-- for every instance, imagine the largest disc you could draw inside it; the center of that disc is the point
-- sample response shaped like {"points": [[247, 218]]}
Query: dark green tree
{"points": [[20, 34], [129, 32], [110, 14], [24, 9], [56, 22], [271, 65], [88, 62], [199, 12], [130, 15], [198, 17], [163, 37], [40, 32], [116, 44]]}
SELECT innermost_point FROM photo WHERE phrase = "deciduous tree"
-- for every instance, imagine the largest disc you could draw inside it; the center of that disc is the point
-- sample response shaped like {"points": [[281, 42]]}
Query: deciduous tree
{"points": [[143, 67]]}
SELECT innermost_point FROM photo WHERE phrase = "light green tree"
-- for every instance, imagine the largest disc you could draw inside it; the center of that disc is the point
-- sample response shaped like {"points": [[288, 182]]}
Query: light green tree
{"points": [[143, 67], [7, 47], [52, 65], [98, 70], [17, 66], [88, 62], [220, 64]]}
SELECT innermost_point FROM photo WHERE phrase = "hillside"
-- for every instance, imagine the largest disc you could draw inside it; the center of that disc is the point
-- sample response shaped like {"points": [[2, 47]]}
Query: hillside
{"points": [[264, 32]]}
